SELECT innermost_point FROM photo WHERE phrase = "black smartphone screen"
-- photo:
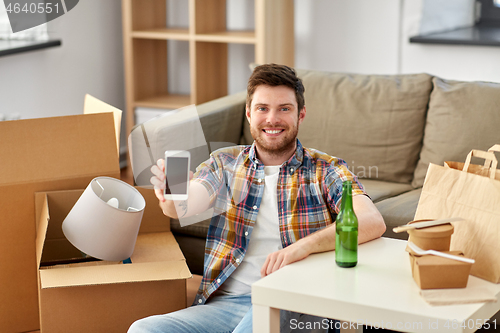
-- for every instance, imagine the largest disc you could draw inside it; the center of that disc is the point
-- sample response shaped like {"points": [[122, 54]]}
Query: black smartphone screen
{"points": [[176, 180]]}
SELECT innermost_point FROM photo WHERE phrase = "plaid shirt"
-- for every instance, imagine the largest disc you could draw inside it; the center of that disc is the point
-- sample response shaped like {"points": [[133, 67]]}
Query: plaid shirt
{"points": [[309, 192]]}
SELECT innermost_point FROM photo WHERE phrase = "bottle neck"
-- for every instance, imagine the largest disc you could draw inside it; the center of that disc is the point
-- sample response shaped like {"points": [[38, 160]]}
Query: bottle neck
{"points": [[346, 196]]}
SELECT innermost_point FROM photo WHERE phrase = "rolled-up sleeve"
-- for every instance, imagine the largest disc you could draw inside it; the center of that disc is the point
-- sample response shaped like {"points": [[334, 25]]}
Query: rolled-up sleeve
{"points": [[337, 172], [210, 175]]}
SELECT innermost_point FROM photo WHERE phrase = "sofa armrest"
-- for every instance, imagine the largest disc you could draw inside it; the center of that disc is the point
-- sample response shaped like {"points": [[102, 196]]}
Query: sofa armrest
{"points": [[222, 119]]}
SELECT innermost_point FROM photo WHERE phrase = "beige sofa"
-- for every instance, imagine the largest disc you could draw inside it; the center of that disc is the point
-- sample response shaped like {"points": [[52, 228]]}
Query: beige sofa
{"points": [[388, 128]]}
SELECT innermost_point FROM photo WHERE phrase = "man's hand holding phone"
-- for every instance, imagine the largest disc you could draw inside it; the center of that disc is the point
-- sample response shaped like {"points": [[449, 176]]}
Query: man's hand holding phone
{"points": [[171, 180], [172, 183], [158, 180]]}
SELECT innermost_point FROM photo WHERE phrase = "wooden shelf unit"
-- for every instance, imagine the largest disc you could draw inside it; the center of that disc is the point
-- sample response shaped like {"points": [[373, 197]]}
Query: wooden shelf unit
{"points": [[146, 33], [162, 33]]}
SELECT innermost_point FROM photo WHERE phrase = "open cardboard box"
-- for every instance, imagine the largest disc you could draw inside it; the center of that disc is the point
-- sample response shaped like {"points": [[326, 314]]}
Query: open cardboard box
{"points": [[433, 272], [103, 296], [44, 154]]}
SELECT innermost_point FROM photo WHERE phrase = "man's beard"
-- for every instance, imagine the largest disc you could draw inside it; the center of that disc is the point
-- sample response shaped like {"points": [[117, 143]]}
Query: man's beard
{"points": [[277, 148]]}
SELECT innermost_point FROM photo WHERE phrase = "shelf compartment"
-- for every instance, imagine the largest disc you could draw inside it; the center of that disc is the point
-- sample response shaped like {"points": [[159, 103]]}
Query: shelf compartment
{"points": [[210, 71], [168, 101], [150, 68], [240, 37], [162, 33], [208, 16], [151, 74], [149, 14]]}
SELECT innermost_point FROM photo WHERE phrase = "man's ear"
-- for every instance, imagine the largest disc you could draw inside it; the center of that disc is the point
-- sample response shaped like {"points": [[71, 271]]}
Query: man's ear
{"points": [[247, 112], [302, 114]]}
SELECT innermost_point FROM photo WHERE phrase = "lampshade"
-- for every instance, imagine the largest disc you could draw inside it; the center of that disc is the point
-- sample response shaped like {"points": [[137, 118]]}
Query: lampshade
{"points": [[105, 220]]}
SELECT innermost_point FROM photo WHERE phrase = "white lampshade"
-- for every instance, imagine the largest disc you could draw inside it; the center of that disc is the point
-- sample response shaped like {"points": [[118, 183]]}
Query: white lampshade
{"points": [[105, 220]]}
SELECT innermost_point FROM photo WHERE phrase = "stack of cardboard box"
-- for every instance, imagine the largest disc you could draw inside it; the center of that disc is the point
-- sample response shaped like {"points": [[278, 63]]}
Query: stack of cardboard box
{"points": [[60, 154]]}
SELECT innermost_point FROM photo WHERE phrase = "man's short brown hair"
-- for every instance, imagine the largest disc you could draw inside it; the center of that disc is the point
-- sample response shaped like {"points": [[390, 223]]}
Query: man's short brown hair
{"points": [[276, 75]]}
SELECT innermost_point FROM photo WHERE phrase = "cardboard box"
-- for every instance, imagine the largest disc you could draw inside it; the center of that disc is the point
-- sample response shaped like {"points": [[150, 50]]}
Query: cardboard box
{"points": [[433, 272], [103, 296], [43, 154]]}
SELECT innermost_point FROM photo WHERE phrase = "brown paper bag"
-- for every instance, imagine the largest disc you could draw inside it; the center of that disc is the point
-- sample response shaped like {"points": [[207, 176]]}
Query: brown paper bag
{"points": [[473, 193]]}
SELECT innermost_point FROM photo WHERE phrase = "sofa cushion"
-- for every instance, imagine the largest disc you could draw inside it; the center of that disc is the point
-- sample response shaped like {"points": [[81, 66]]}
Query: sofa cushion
{"points": [[380, 190], [399, 210], [374, 122], [462, 116]]}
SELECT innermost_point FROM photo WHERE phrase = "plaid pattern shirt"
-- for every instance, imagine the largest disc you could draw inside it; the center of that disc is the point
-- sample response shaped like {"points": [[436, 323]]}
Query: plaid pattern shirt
{"points": [[309, 192]]}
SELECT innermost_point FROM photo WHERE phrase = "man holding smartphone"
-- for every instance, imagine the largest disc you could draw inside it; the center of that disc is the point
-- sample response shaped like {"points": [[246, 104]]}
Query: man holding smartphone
{"points": [[275, 202]]}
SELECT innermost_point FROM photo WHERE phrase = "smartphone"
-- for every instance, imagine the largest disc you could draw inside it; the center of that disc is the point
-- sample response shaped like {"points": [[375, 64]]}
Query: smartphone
{"points": [[176, 174]]}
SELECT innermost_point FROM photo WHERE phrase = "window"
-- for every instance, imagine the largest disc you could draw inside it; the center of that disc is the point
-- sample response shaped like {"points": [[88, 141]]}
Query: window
{"points": [[32, 39], [36, 33], [489, 12], [485, 31], [5, 30]]}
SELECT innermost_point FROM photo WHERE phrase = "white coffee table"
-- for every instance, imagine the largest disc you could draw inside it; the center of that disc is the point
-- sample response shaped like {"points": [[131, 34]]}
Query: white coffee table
{"points": [[379, 291]]}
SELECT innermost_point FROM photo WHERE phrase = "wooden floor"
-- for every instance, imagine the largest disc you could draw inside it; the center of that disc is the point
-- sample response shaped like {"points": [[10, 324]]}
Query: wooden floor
{"points": [[191, 284]]}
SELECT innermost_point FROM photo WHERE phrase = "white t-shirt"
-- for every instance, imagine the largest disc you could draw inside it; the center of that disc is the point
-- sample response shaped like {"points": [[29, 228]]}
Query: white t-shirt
{"points": [[265, 238]]}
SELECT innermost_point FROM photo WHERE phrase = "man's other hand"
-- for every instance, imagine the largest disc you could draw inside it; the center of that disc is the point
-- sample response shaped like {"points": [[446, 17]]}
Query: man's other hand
{"points": [[283, 257]]}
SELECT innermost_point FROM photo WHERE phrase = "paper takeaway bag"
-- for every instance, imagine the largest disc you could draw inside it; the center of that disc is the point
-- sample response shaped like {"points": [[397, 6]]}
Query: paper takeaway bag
{"points": [[473, 193]]}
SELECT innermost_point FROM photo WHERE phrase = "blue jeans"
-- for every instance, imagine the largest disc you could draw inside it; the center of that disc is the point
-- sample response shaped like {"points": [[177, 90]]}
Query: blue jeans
{"points": [[221, 314]]}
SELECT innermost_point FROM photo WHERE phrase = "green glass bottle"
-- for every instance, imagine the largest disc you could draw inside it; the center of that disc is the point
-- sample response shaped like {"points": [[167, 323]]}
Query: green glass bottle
{"points": [[346, 240]]}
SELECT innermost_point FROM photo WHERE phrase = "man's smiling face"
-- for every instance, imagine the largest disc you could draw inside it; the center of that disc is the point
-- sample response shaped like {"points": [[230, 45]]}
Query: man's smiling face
{"points": [[274, 119]]}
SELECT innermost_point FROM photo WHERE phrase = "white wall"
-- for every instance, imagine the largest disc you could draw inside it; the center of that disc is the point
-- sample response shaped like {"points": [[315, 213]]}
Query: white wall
{"points": [[372, 37], [54, 81], [358, 36], [454, 62]]}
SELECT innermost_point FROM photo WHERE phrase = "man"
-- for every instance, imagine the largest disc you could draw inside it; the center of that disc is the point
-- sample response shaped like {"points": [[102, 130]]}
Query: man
{"points": [[274, 202]]}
